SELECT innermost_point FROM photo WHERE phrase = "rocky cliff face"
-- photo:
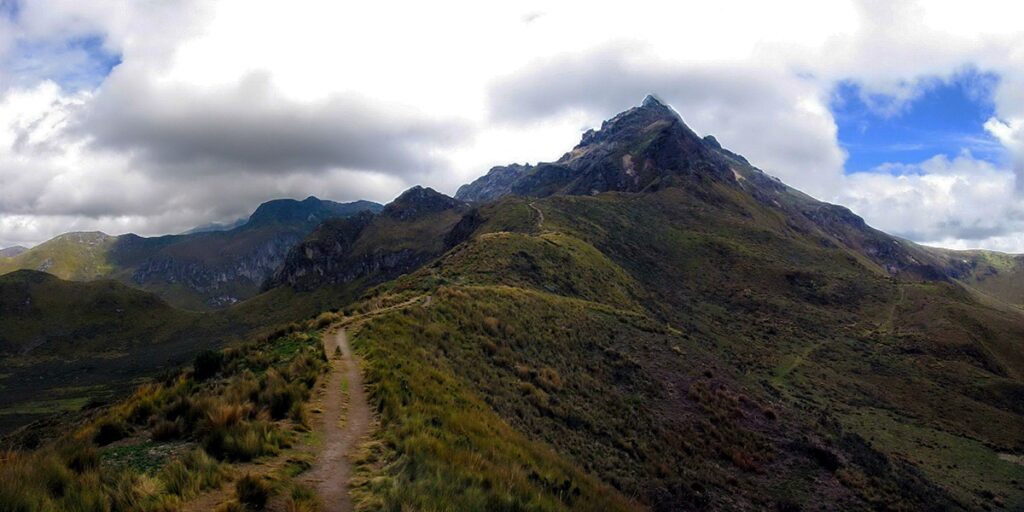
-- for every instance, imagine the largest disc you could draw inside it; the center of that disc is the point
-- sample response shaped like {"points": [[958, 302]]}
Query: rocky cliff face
{"points": [[645, 147], [221, 268], [497, 183], [409, 232], [200, 270], [222, 282]]}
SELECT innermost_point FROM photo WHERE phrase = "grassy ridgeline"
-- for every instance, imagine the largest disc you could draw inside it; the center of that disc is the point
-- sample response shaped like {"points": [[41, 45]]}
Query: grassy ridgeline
{"points": [[685, 357], [440, 445]]}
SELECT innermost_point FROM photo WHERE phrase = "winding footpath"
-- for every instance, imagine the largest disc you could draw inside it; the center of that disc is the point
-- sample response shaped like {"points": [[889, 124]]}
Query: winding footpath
{"points": [[346, 419]]}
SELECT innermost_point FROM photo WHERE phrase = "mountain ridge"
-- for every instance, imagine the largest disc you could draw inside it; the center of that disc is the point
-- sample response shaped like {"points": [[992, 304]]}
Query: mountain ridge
{"points": [[201, 270]]}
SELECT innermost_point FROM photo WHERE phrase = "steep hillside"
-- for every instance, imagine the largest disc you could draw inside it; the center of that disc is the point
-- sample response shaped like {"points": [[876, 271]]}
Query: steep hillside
{"points": [[203, 270], [184, 438], [75, 256], [408, 232], [994, 274], [65, 343], [702, 357]]}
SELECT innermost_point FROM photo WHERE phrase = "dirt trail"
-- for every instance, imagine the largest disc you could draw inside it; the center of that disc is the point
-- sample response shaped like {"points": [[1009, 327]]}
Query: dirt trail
{"points": [[346, 418], [540, 217]]}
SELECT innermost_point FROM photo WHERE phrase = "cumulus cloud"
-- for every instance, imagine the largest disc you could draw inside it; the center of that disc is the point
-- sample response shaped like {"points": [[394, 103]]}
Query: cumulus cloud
{"points": [[938, 200]]}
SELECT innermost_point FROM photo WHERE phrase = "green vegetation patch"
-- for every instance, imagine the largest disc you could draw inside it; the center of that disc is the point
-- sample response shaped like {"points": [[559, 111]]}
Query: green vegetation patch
{"points": [[175, 438]]}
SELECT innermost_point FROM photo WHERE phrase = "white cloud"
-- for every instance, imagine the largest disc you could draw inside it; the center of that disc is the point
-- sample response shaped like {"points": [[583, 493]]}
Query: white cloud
{"points": [[365, 99], [961, 202]]}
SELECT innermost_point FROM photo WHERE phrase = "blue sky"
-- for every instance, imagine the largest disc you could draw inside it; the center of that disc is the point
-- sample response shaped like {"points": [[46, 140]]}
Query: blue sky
{"points": [[78, 63], [945, 117]]}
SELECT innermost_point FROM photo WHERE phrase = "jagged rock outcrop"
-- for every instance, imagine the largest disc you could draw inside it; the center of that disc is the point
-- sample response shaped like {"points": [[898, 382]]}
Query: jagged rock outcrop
{"points": [[498, 182], [408, 232], [645, 147]]}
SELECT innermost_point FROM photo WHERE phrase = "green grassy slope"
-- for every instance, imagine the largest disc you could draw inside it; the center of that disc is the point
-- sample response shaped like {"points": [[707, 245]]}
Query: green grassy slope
{"points": [[64, 344], [74, 256], [41, 315], [67, 345], [696, 353], [998, 275]]}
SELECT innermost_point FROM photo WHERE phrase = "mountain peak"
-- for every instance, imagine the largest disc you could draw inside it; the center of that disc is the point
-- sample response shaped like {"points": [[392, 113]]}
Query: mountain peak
{"points": [[310, 210], [632, 122], [644, 147], [652, 101], [417, 200]]}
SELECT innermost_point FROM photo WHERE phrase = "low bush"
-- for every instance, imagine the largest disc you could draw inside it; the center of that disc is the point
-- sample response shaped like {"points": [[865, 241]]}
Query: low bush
{"points": [[109, 431], [252, 491], [207, 364]]}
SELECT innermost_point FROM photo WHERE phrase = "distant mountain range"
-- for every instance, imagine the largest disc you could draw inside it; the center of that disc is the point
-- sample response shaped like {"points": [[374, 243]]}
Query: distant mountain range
{"points": [[202, 270]]}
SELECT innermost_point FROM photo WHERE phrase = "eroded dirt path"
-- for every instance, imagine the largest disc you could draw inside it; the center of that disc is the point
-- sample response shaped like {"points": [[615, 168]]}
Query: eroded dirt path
{"points": [[540, 217], [345, 420]]}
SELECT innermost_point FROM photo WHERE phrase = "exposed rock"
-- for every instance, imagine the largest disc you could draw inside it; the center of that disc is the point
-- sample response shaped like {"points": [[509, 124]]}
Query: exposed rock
{"points": [[409, 232], [418, 201], [642, 148], [498, 182]]}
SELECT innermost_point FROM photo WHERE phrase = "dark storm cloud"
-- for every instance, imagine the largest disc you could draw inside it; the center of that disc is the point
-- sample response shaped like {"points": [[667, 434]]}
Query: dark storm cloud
{"points": [[251, 128]]}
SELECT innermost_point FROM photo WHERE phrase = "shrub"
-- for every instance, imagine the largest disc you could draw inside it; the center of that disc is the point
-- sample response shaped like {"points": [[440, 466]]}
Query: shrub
{"points": [[302, 499], [207, 364], [242, 442], [142, 410], [549, 379], [278, 396], [299, 415], [122, 489], [80, 457], [109, 431], [177, 480], [252, 491], [165, 430], [491, 325], [206, 471], [221, 416]]}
